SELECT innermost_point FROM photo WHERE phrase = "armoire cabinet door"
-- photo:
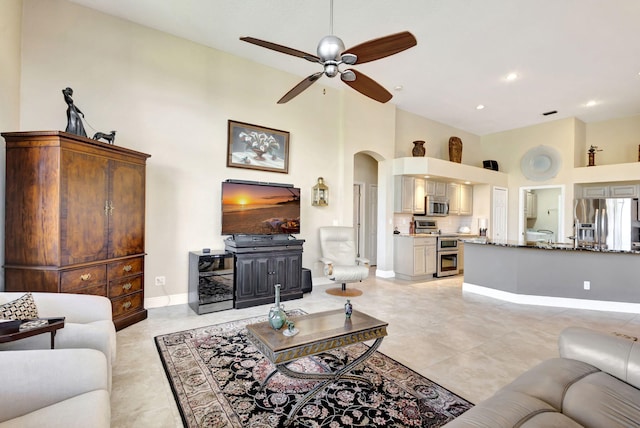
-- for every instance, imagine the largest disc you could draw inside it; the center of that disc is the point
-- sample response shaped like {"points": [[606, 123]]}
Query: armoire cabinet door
{"points": [[83, 217], [126, 208]]}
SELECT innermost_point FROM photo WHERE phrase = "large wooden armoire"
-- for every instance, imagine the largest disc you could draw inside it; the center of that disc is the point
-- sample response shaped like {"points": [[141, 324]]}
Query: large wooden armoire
{"points": [[75, 212]]}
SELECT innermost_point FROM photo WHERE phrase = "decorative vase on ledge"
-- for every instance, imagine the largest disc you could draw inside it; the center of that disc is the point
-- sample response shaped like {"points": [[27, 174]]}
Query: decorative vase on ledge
{"points": [[418, 149], [455, 149]]}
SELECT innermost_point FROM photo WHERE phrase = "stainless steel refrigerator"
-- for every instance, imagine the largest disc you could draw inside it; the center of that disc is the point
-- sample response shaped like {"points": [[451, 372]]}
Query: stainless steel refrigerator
{"points": [[603, 223]]}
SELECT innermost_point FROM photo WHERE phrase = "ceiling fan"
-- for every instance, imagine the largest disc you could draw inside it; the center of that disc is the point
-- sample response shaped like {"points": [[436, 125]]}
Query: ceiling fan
{"points": [[331, 54]]}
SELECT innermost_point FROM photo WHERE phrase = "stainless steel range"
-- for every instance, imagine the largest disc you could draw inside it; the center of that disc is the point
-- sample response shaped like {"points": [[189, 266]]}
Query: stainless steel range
{"points": [[446, 249]]}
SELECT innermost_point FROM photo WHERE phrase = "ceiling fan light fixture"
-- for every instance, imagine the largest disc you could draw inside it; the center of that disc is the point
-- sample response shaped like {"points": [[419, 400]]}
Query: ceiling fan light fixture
{"points": [[331, 70], [330, 48]]}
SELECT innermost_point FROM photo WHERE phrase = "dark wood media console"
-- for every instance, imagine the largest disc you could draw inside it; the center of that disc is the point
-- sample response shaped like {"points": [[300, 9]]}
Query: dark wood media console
{"points": [[261, 262]]}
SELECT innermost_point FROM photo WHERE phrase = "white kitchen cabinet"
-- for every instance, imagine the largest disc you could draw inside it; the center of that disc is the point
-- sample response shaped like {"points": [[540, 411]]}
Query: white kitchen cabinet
{"points": [[466, 199], [414, 257], [435, 188], [418, 195], [453, 190], [409, 194], [460, 199], [595, 192], [613, 191], [624, 191]]}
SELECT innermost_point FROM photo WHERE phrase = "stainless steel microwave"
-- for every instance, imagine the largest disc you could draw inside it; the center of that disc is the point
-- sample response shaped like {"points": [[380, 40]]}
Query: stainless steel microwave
{"points": [[436, 206]]}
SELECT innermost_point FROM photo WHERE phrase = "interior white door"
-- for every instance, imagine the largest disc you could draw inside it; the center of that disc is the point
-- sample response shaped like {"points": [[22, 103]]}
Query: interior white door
{"points": [[371, 224], [499, 216], [357, 214]]}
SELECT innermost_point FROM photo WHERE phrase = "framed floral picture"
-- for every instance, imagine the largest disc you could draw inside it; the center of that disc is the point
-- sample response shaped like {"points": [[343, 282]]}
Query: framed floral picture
{"points": [[257, 147]]}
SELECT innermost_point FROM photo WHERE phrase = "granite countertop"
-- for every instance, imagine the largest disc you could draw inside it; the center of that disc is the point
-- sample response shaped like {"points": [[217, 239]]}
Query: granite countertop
{"points": [[435, 235], [545, 246]]}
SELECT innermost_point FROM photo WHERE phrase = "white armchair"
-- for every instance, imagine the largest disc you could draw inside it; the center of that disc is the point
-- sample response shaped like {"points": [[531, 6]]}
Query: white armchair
{"points": [[340, 261], [88, 324]]}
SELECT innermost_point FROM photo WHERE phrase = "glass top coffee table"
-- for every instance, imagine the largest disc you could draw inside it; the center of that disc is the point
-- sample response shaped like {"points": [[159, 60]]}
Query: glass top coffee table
{"points": [[318, 333]]}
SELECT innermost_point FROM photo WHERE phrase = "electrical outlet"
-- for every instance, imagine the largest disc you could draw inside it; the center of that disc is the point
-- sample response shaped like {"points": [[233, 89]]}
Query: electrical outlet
{"points": [[160, 280], [587, 285]]}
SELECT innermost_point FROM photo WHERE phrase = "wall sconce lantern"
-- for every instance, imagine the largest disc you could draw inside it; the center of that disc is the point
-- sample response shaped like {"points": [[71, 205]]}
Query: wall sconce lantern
{"points": [[320, 194]]}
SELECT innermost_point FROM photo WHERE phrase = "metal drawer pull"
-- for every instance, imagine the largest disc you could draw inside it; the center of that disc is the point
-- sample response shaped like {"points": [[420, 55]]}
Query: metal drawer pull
{"points": [[127, 268], [126, 305], [127, 286], [85, 277]]}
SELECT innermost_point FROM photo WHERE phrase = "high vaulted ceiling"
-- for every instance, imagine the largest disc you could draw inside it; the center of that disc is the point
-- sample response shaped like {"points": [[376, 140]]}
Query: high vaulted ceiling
{"points": [[565, 52]]}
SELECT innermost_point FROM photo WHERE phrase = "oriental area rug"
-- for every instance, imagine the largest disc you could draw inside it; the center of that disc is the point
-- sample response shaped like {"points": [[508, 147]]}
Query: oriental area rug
{"points": [[215, 373]]}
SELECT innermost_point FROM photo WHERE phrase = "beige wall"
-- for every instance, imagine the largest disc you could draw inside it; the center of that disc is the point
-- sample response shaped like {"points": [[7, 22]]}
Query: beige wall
{"points": [[619, 140], [172, 98], [10, 40], [509, 147], [411, 127]]}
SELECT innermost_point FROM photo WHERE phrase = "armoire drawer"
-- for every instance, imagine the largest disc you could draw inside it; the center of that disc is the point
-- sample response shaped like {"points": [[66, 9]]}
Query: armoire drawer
{"points": [[125, 286], [126, 304], [125, 268], [83, 278]]}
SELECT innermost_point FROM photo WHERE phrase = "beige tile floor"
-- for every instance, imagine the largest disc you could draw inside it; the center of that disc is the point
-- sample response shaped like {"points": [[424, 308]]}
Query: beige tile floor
{"points": [[470, 344]]}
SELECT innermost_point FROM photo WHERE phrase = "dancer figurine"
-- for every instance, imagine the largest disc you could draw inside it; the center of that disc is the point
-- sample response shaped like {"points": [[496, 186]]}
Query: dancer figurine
{"points": [[74, 115]]}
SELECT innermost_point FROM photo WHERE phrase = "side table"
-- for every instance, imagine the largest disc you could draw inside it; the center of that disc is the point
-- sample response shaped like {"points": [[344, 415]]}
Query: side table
{"points": [[12, 332]]}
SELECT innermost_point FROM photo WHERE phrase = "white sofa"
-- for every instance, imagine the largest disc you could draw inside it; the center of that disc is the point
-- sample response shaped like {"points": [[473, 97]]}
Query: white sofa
{"points": [[88, 324], [54, 388]]}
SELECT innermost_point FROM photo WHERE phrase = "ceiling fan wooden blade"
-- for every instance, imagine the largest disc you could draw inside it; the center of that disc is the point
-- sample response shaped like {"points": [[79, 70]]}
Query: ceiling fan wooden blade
{"points": [[297, 90], [382, 47], [369, 87], [280, 48]]}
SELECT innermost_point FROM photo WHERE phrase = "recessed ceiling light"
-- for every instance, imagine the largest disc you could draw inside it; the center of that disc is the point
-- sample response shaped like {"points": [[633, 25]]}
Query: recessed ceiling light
{"points": [[591, 103], [512, 76], [427, 176], [398, 88], [479, 107], [467, 182]]}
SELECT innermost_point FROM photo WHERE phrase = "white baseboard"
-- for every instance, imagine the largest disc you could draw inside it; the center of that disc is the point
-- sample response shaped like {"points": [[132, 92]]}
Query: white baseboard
{"points": [[559, 302], [321, 280], [170, 300], [385, 273]]}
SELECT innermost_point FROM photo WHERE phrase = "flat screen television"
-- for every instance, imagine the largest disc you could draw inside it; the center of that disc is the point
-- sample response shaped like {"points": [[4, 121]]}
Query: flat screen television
{"points": [[250, 208]]}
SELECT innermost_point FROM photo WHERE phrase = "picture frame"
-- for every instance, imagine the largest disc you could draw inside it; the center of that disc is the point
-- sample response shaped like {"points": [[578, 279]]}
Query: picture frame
{"points": [[257, 147]]}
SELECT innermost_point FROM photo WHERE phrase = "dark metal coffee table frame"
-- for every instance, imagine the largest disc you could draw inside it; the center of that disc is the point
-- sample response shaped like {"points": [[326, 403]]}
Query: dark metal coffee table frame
{"points": [[319, 333]]}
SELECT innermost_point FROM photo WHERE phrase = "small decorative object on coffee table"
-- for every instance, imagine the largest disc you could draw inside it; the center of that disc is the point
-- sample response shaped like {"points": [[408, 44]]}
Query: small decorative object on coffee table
{"points": [[277, 317], [348, 309], [291, 329], [27, 328]]}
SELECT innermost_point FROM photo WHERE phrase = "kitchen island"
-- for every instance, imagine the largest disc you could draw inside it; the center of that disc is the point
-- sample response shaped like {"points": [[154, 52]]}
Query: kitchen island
{"points": [[554, 275]]}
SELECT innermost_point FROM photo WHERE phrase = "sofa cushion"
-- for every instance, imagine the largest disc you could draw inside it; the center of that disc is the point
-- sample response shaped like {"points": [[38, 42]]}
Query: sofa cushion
{"points": [[23, 308], [614, 354], [601, 400], [91, 409], [550, 420], [506, 409], [549, 380]]}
